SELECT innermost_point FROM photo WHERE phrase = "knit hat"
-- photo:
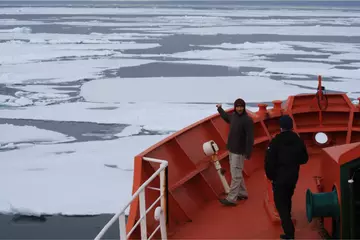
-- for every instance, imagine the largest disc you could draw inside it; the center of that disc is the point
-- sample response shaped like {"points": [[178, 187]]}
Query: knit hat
{"points": [[239, 102], [286, 122]]}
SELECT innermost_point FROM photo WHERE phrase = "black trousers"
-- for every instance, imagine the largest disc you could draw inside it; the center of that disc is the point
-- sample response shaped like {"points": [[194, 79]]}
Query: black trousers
{"points": [[282, 198]]}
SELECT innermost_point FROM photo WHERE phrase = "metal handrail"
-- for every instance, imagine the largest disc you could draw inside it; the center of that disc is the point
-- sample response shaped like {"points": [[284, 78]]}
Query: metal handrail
{"points": [[159, 211]]}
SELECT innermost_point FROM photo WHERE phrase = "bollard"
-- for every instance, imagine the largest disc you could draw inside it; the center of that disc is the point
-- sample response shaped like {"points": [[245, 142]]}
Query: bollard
{"points": [[277, 105]]}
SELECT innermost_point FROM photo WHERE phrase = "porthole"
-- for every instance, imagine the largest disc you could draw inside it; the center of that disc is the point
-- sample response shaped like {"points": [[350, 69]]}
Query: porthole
{"points": [[321, 138]]}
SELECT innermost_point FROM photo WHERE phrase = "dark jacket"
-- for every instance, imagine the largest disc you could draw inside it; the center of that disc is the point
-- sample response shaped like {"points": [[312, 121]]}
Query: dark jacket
{"points": [[285, 153], [241, 134]]}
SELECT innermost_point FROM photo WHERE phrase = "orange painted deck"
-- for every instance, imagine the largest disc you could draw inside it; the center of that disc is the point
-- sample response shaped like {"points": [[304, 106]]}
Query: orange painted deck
{"points": [[249, 219]]}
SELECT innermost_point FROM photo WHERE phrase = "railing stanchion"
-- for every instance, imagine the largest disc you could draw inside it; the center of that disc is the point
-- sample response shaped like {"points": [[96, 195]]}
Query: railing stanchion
{"points": [[142, 207], [122, 226], [163, 190]]}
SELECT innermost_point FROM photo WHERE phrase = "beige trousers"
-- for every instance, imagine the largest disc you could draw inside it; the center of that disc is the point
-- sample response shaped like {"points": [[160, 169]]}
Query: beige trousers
{"points": [[237, 186]]}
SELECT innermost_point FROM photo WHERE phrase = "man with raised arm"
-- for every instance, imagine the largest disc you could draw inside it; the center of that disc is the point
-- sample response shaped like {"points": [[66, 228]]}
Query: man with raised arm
{"points": [[240, 143]]}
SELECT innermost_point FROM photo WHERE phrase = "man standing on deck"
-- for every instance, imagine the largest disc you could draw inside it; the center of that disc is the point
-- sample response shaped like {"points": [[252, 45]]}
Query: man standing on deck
{"points": [[285, 154], [240, 143]]}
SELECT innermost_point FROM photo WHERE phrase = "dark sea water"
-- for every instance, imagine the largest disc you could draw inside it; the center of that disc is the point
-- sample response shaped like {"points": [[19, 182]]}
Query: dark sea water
{"points": [[55, 227], [87, 227]]}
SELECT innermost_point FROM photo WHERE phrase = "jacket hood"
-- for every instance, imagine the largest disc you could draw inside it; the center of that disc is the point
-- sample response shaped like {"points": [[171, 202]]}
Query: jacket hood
{"points": [[239, 102]]}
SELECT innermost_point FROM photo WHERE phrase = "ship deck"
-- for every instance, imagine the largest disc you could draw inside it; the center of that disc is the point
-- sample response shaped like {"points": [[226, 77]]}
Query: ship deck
{"points": [[249, 219]]}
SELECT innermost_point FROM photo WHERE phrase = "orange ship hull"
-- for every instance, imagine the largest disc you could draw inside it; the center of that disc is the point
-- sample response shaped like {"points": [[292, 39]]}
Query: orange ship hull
{"points": [[193, 185]]}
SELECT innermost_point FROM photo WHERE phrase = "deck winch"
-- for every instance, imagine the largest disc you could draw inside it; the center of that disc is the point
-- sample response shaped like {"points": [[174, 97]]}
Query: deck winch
{"points": [[324, 204]]}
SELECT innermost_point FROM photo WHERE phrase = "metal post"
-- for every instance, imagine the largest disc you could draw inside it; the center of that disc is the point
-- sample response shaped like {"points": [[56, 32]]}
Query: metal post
{"points": [[221, 176], [352, 229], [163, 190], [122, 226], [163, 226], [143, 214]]}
